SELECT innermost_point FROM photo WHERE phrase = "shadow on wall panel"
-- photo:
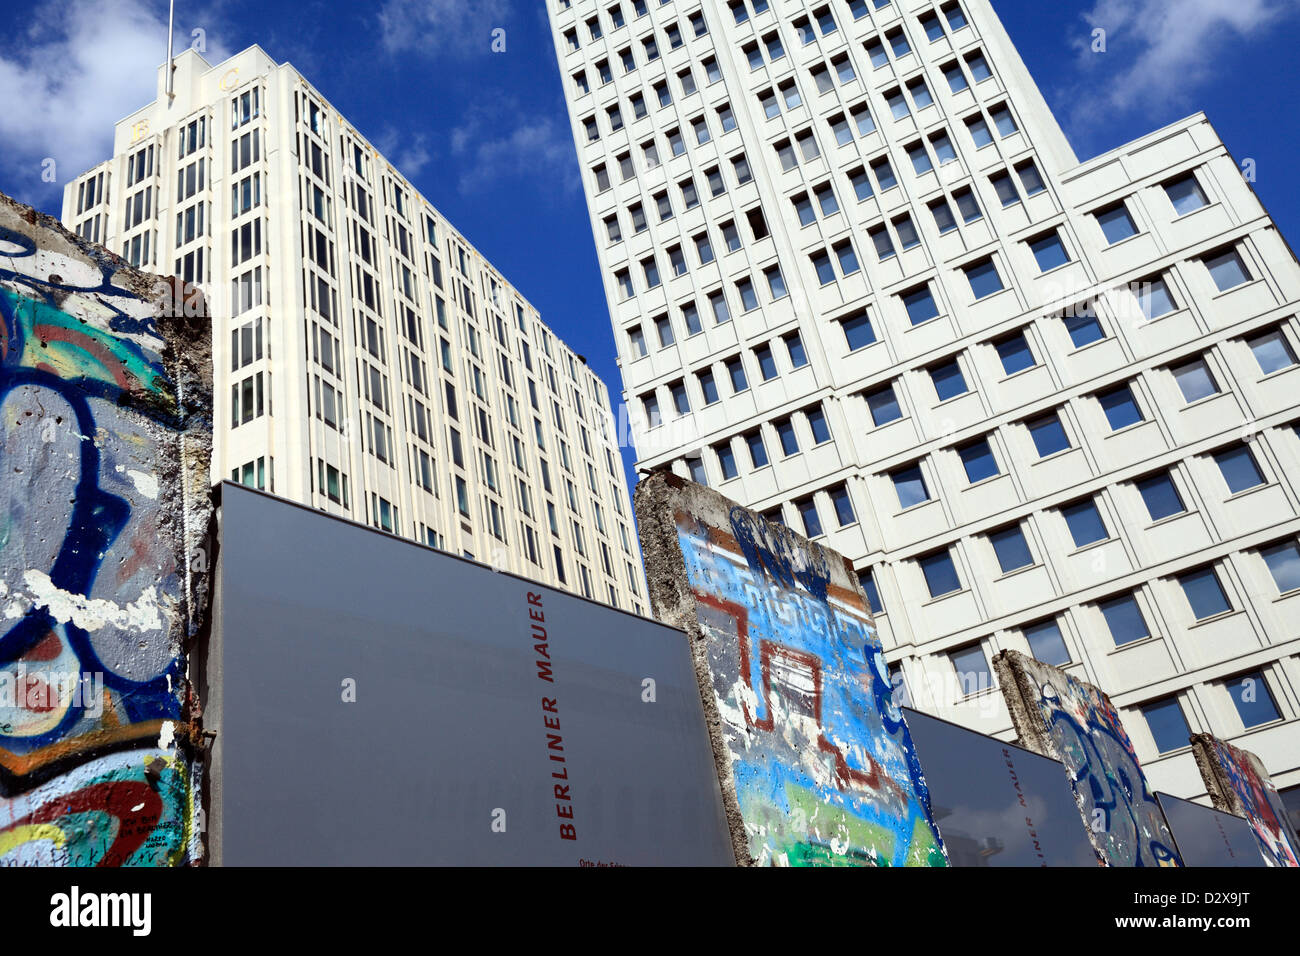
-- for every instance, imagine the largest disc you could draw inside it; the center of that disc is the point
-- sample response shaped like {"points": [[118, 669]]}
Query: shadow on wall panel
{"points": [[997, 804], [1207, 837], [378, 702]]}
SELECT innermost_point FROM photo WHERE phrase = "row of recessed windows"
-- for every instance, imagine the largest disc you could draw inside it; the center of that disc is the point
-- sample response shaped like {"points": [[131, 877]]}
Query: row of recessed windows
{"points": [[649, 266], [785, 429], [1152, 295], [699, 124], [689, 198], [764, 356], [1254, 701], [617, 20]]}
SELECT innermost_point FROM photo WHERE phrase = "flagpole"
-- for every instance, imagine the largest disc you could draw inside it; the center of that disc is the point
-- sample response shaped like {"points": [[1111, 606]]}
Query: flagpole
{"points": [[171, 21]]}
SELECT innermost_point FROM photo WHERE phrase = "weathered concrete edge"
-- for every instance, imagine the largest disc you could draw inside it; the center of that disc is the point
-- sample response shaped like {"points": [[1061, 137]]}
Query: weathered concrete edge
{"points": [[1223, 796], [672, 602]]}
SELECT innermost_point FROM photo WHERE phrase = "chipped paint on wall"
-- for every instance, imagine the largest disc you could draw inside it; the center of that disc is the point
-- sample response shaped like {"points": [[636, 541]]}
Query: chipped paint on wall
{"points": [[105, 444], [816, 761], [1074, 722], [1238, 783]]}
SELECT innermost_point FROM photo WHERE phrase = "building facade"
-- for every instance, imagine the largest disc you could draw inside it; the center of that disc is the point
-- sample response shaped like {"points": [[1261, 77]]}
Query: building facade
{"points": [[860, 281], [369, 361]]}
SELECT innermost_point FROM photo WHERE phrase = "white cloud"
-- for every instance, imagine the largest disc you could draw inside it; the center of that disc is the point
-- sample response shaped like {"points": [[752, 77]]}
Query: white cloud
{"points": [[492, 150], [447, 27], [85, 65], [409, 153], [1160, 52]]}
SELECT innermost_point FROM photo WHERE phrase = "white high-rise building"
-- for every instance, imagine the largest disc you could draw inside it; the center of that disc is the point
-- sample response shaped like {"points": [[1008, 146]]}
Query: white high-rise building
{"points": [[369, 362], [860, 281]]}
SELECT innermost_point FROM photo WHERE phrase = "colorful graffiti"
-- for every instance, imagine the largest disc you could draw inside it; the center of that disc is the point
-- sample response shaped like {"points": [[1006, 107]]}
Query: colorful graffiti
{"points": [[820, 759], [1074, 722], [105, 444], [1239, 784]]}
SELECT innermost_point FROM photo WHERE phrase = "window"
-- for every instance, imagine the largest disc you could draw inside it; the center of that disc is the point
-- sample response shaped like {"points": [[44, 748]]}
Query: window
{"points": [[1195, 380], [972, 669], [1253, 699], [785, 432], [843, 505], [898, 42], [1204, 593], [717, 186], [897, 103], [822, 266], [1283, 562], [948, 380], [1116, 223], [691, 316], [1227, 270], [731, 236], [1015, 353], [885, 177], [941, 574], [687, 79], [910, 486], [979, 131], [1011, 548], [1003, 120], [1005, 188], [695, 467], [1085, 523], [1272, 351], [944, 220], [1167, 724], [664, 329], [868, 582], [708, 386], [1186, 194], [726, 460], [794, 346], [1049, 252], [1048, 434], [847, 257], [812, 522], [920, 305], [636, 339], [1047, 644], [858, 331], [677, 260], [983, 277], [876, 51], [757, 450], [907, 235], [821, 430], [776, 284], [1083, 326], [721, 312], [952, 72], [881, 240], [1161, 496], [943, 148], [978, 459], [1239, 469], [1121, 407], [883, 404], [651, 405], [704, 248], [932, 26], [920, 93], [1125, 620], [766, 362], [956, 18], [736, 371], [967, 205]]}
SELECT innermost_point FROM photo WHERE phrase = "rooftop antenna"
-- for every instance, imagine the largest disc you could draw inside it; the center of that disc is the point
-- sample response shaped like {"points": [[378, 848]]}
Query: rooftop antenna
{"points": [[171, 65]]}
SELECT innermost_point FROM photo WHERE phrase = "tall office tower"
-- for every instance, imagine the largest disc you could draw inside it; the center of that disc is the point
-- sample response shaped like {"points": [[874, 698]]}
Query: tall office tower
{"points": [[369, 362], [859, 280]]}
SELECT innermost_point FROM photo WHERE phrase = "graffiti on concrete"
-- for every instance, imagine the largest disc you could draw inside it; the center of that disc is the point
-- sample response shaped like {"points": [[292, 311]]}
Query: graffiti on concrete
{"points": [[1238, 783], [1074, 722], [822, 765], [105, 439]]}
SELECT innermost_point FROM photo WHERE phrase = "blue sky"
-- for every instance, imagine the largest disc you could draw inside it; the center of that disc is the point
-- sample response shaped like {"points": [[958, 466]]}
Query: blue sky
{"points": [[485, 136]]}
